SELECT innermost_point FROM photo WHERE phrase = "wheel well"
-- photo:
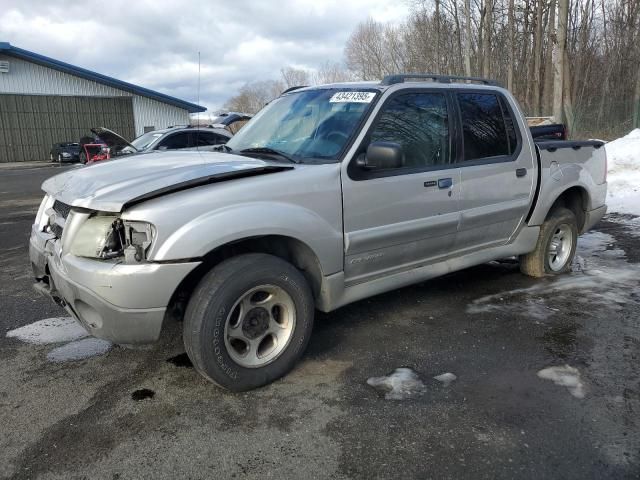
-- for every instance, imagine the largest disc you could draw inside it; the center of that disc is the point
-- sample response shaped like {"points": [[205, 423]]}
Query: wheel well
{"points": [[576, 200], [290, 249]]}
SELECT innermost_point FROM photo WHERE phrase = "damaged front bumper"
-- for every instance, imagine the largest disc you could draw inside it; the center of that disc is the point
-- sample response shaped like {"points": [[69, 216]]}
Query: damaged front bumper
{"points": [[116, 301]]}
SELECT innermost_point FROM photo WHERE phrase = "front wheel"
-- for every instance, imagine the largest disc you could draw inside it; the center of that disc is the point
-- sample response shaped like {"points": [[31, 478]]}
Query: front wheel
{"points": [[248, 321], [556, 246]]}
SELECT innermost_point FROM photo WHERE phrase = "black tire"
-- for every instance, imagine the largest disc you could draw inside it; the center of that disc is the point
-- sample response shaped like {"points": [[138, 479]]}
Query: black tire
{"points": [[211, 304], [537, 262]]}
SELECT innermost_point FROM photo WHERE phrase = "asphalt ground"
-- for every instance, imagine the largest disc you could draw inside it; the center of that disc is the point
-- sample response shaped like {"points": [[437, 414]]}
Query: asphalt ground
{"points": [[145, 413]]}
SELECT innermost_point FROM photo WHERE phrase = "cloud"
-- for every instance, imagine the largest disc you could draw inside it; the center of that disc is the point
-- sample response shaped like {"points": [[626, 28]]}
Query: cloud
{"points": [[155, 44]]}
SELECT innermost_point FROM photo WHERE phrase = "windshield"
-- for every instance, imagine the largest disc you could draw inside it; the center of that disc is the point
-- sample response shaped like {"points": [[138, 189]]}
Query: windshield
{"points": [[145, 140], [309, 124]]}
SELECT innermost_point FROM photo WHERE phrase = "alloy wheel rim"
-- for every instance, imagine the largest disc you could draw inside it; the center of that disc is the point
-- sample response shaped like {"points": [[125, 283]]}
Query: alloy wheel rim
{"points": [[560, 247], [259, 326]]}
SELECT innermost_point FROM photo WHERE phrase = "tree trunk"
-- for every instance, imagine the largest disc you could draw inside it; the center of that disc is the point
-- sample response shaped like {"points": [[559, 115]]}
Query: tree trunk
{"points": [[488, 24], [537, 60], [512, 55], [437, 20], [636, 98], [548, 70], [467, 38], [559, 60]]}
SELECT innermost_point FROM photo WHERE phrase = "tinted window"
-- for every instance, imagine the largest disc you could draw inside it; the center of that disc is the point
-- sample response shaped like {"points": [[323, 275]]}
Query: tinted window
{"points": [[178, 140], [202, 139], [483, 126], [419, 123], [510, 125]]}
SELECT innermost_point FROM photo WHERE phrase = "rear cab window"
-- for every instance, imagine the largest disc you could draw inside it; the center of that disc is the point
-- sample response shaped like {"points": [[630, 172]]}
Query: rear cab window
{"points": [[488, 127]]}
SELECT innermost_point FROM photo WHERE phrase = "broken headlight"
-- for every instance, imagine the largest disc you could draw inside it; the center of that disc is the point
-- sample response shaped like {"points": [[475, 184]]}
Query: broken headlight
{"points": [[106, 237]]}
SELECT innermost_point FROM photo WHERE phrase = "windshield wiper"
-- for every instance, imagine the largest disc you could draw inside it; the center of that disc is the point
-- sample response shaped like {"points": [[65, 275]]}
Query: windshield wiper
{"points": [[269, 151]]}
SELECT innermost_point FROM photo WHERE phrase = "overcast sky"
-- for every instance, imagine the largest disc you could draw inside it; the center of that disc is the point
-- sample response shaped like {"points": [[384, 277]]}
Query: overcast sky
{"points": [[155, 43]]}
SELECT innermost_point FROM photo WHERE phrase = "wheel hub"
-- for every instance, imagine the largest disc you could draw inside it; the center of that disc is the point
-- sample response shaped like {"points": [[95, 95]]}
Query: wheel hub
{"points": [[255, 323]]}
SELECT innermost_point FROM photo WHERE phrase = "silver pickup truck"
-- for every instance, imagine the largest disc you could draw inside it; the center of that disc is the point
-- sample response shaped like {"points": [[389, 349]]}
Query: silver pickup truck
{"points": [[329, 195]]}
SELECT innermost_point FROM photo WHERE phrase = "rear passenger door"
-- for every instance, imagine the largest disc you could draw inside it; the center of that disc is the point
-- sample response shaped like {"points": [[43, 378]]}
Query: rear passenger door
{"points": [[497, 170], [398, 219]]}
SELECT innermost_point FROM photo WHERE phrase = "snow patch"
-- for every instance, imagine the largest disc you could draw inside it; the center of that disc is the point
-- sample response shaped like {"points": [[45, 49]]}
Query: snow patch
{"points": [[565, 376], [49, 330], [402, 384], [600, 273], [79, 350], [445, 378], [623, 179]]}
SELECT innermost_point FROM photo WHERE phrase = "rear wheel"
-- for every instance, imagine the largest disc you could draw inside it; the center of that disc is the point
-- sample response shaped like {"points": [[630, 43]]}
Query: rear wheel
{"points": [[248, 321], [556, 246]]}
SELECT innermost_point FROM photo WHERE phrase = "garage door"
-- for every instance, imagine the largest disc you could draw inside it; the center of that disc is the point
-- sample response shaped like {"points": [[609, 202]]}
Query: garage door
{"points": [[31, 124]]}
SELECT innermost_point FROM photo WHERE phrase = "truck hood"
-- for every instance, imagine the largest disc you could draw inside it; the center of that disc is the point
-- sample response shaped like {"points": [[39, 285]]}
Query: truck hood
{"points": [[111, 186]]}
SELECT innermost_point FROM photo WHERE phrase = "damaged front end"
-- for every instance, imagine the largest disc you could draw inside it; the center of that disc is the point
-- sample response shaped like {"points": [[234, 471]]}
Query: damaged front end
{"points": [[90, 234], [97, 266], [108, 237]]}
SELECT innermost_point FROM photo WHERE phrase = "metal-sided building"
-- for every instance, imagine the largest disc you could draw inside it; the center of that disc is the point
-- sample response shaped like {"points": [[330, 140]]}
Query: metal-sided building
{"points": [[44, 101]]}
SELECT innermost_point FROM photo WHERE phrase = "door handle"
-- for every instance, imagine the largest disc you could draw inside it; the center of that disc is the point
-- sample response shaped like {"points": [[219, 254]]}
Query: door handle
{"points": [[445, 182], [521, 172]]}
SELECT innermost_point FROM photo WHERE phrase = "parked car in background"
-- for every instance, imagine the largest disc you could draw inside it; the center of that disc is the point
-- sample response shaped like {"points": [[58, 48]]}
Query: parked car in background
{"points": [[332, 194], [92, 148], [172, 138], [65, 152]]}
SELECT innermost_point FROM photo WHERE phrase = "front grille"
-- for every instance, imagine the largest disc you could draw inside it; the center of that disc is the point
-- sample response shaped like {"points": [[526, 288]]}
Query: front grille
{"points": [[61, 209]]}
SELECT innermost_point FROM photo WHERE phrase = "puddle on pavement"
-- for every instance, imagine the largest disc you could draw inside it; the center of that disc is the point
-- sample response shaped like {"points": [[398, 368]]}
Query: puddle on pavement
{"points": [[560, 340], [182, 360], [142, 394]]}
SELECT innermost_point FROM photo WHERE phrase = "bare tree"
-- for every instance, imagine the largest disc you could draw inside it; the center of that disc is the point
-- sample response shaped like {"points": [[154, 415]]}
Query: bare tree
{"points": [[253, 96], [294, 77], [512, 46], [559, 60], [467, 37]]}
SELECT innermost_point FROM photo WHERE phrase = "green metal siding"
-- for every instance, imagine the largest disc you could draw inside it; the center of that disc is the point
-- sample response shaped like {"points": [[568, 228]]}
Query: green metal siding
{"points": [[31, 124]]}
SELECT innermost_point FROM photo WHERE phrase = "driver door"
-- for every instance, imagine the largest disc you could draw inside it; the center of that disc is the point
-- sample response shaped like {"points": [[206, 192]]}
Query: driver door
{"points": [[402, 218]]}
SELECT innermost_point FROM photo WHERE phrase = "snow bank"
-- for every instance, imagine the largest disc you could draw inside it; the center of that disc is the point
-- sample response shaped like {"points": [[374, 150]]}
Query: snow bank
{"points": [[49, 330], [446, 378], [79, 350], [623, 158], [403, 383], [565, 376]]}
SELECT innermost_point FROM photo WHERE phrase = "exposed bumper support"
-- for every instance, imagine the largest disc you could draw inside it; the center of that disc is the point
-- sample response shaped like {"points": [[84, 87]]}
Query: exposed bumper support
{"points": [[114, 301]]}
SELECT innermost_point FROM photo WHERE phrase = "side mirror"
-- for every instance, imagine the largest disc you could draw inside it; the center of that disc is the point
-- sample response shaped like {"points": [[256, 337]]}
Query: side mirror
{"points": [[382, 155]]}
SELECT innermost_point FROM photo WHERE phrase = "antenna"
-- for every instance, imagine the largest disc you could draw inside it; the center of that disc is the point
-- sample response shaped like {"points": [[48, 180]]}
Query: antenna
{"points": [[198, 114]]}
